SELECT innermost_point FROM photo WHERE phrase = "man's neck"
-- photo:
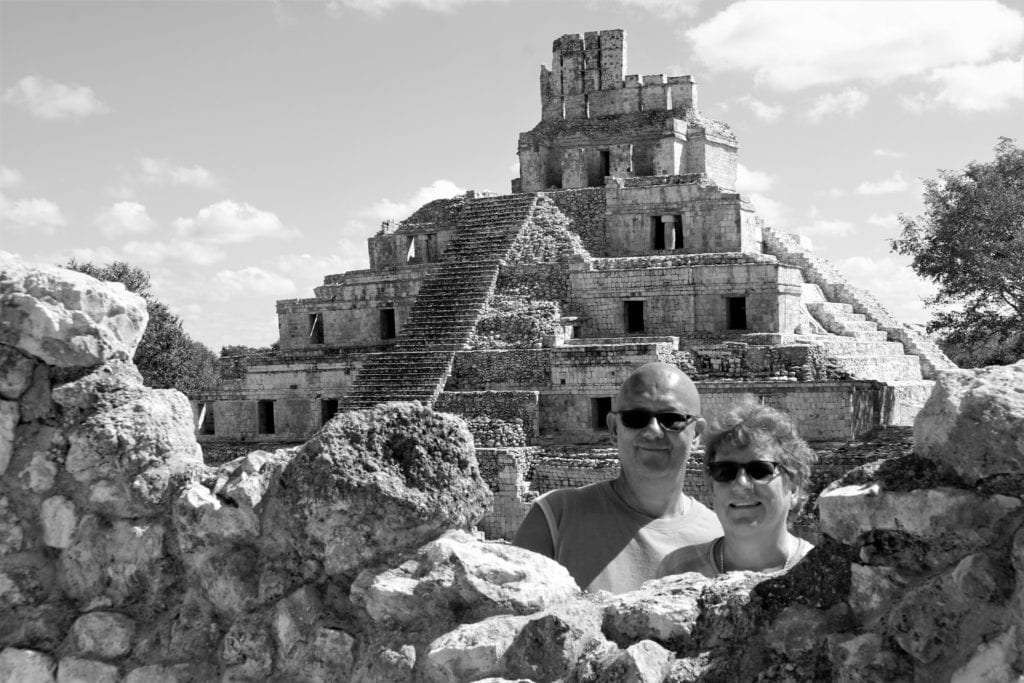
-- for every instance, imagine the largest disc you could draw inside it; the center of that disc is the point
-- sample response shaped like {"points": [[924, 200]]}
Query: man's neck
{"points": [[661, 500]]}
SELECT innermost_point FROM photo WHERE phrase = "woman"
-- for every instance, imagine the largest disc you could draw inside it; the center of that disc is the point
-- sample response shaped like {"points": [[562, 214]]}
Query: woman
{"points": [[758, 467]]}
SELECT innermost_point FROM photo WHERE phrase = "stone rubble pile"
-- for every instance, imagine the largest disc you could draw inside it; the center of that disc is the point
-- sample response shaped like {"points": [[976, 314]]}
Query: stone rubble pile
{"points": [[123, 557]]}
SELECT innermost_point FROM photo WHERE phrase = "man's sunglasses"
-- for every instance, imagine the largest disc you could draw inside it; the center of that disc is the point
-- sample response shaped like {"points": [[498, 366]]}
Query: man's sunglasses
{"points": [[760, 471], [639, 419]]}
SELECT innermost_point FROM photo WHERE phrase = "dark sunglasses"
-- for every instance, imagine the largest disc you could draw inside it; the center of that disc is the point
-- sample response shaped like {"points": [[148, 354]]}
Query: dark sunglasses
{"points": [[761, 471], [639, 418]]}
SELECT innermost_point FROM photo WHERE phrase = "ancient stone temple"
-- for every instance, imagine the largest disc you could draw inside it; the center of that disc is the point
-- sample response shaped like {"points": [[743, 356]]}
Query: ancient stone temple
{"points": [[624, 241]]}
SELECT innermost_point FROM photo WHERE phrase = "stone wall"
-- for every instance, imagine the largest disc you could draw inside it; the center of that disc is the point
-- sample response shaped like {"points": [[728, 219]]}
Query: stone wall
{"points": [[585, 210], [492, 408]]}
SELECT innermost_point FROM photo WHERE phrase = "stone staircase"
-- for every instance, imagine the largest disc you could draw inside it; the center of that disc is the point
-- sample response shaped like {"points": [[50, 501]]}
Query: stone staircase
{"points": [[447, 308]]}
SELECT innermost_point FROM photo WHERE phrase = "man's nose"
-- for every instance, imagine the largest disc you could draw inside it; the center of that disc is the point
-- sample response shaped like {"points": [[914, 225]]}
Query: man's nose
{"points": [[653, 430]]}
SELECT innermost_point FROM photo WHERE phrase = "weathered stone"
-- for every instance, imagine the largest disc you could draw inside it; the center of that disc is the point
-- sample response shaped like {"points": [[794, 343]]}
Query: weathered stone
{"points": [[865, 658], [665, 611], [943, 619], [974, 422], [643, 662], [36, 403], [994, 661], [248, 649], [102, 634], [873, 591], [8, 421], [945, 523], [386, 664], [40, 474], [250, 477], [457, 573], [471, 651], [154, 673], [59, 518], [202, 521], [548, 645], [15, 372], [66, 318], [126, 449], [25, 666], [187, 630], [375, 484], [799, 630], [120, 560], [11, 533], [294, 618], [327, 656], [78, 670], [230, 579]]}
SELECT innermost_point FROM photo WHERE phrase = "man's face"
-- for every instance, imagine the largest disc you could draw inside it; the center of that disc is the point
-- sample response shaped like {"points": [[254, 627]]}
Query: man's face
{"points": [[652, 452]]}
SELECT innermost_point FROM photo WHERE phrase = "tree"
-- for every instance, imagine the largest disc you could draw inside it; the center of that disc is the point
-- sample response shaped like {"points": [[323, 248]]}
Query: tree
{"points": [[970, 241], [166, 357]]}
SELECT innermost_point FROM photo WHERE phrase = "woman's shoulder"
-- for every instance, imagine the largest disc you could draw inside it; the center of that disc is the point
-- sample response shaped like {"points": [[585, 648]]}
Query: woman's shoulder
{"points": [[691, 558]]}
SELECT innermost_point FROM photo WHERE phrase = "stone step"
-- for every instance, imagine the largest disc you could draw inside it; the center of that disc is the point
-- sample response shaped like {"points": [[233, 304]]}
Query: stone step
{"points": [[882, 368]]}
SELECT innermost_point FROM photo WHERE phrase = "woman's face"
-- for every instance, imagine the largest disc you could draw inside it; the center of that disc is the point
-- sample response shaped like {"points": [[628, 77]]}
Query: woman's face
{"points": [[746, 507]]}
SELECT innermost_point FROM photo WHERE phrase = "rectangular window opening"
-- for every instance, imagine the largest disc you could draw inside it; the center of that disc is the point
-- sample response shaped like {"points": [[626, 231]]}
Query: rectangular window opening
{"points": [[606, 163], [657, 233], [387, 323], [599, 409], [678, 229], [736, 312], [328, 409], [634, 312], [206, 423], [265, 417], [316, 328]]}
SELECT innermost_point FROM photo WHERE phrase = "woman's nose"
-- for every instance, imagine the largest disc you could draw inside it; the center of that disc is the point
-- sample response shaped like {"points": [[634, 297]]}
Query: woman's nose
{"points": [[742, 479]]}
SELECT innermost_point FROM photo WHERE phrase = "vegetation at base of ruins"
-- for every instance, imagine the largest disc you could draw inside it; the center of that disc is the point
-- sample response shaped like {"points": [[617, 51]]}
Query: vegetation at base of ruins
{"points": [[969, 241], [240, 350], [167, 357]]}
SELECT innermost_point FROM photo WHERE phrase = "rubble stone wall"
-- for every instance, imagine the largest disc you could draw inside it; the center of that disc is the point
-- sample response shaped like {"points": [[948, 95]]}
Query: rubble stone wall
{"points": [[585, 210]]}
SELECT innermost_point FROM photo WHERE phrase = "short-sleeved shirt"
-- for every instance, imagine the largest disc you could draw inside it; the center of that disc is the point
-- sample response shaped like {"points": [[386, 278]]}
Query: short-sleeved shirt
{"points": [[701, 559], [607, 545]]}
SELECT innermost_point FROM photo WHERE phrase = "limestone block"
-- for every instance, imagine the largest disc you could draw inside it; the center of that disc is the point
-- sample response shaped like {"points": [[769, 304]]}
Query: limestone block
{"points": [[11, 533], [8, 421], [119, 560], [373, 485], [481, 578], [230, 579], [665, 611], [294, 618], [471, 651], [328, 656], [248, 483], [993, 661], [78, 670], [15, 372], [973, 423], [66, 318], [548, 645], [202, 521], [643, 662], [953, 522], [36, 403], [102, 634], [40, 474], [944, 618], [25, 666], [873, 590], [59, 518], [799, 629], [865, 658], [154, 673], [247, 649]]}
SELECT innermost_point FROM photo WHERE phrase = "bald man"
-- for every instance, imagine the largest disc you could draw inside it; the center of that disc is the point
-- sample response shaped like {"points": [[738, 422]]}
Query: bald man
{"points": [[613, 535]]}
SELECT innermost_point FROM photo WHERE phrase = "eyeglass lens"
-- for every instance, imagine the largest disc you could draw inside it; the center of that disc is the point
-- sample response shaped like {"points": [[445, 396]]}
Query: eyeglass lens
{"points": [[757, 470], [638, 419]]}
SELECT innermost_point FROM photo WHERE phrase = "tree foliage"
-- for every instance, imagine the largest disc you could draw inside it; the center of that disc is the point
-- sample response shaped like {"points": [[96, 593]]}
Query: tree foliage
{"points": [[970, 242], [166, 357]]}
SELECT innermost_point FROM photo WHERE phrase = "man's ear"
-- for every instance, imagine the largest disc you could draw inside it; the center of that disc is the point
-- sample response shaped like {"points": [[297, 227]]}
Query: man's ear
{"points": [[698, 428]]}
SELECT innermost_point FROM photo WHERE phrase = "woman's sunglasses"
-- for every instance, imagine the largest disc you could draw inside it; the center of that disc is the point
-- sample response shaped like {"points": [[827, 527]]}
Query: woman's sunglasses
{"points": [[639, 418], [760, 471]]}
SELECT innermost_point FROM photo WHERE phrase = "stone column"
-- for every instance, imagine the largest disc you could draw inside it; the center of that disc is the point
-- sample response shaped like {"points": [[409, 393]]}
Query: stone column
{"points": [[668, 223]]}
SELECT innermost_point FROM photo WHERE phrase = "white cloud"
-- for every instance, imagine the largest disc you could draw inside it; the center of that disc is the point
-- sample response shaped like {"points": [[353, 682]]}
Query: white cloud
{"points": [[161, 171], [825, 228], [792, 44], [834, 192], [95, 255], [888, 153], [229, 222], [51, 100], [380, 7], [187, 251], [848, 102], [903, 292], [769, 113], [970, 87], [124, 218], [667, 9], [387, 209], [252, 281], [771, 211], [30, 214], [889, 221], [749, 181], [887, 186], [9, 177]]}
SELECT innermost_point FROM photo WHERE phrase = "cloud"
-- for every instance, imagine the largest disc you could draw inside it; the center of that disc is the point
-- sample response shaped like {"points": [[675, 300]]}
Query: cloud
{"points": [[888, 153], [252, 281], [387, 209], [848, 102], [160, 171], [970, 87], [9, 177], [380, 7], [158, 252], [790, 45], [834, 192], [124, 218], [887, 186], [229, 222], [51, 100], [825, 228], [749, 181], [889, 221], [666, 9], [769, 210], [769, 113], [30, 214], [904, 292]]}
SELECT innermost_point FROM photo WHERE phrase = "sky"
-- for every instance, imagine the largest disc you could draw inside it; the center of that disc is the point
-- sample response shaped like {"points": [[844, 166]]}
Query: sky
{"points": [[239, 151]]}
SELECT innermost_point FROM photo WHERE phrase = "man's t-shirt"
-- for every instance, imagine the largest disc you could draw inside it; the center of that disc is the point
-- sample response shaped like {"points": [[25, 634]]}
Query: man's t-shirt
{"points": [[607, 545]]}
